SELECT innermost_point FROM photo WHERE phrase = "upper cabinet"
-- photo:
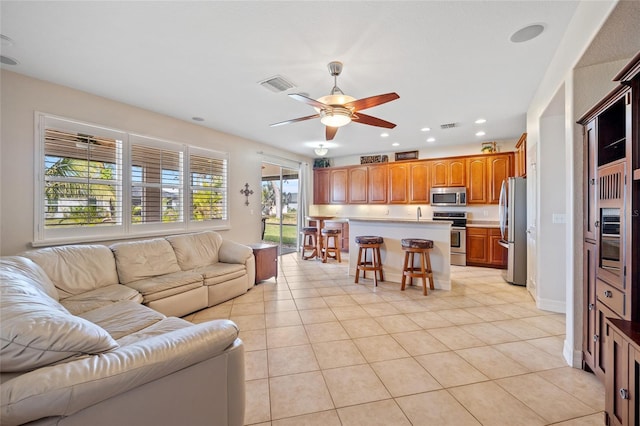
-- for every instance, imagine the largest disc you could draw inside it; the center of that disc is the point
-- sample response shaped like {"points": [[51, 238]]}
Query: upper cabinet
{"points": [[521, 157], [419, 182], [377, 184], [485, 175], [339, 189], [477, 182], [321, 186], [448, 172], [398, 183], [499, 169], [409, 182], [358, 185]]}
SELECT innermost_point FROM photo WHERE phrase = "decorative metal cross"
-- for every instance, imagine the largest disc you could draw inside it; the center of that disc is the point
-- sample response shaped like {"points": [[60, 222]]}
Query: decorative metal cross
{"points": [[246, 192]]}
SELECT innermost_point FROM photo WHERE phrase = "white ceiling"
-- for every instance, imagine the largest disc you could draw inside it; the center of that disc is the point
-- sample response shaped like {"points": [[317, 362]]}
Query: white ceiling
{"points": [[449, 61]]}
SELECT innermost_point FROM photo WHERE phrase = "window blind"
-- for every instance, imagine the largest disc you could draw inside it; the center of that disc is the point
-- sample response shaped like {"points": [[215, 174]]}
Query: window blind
{"points": [[208, 186], [81, 180]]}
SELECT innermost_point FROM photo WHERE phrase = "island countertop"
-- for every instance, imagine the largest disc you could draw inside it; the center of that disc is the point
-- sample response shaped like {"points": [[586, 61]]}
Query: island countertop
{"points": [[398, 220]]}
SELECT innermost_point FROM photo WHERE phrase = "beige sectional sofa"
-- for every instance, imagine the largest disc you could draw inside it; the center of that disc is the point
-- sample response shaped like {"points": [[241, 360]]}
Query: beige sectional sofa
{"points": [[78, 345]]}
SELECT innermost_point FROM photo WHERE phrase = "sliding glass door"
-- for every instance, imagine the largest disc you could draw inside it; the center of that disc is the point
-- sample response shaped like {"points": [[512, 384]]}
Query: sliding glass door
{"points": [[280, 197]]}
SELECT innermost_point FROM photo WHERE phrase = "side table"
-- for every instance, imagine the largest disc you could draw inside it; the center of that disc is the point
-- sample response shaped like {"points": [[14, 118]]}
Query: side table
{"points": [[266, 261]]}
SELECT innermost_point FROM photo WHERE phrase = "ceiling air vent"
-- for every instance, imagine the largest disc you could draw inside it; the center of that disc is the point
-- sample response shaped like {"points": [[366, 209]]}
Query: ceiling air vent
{"points": [[277, 84], [448, 126]]}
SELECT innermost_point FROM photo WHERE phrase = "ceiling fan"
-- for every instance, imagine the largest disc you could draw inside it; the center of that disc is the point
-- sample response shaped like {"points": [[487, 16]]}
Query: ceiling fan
{"points": [[337, 109]]}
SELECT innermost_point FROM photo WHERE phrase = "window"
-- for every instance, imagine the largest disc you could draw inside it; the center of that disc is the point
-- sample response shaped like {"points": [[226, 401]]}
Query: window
{"points": [[97, 183], [207, 186]]}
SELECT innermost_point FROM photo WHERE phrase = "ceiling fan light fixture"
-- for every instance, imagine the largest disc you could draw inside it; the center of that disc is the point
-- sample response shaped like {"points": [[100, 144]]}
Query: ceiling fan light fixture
{"points": [[321, 150], [335, 117]]}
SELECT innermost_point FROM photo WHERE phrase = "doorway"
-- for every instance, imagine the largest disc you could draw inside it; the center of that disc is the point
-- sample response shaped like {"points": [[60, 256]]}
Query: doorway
{"points": [[280, 196]]}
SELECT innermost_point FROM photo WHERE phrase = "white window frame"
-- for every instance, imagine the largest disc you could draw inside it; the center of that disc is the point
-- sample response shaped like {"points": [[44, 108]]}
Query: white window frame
{"points": [[125, 229]]}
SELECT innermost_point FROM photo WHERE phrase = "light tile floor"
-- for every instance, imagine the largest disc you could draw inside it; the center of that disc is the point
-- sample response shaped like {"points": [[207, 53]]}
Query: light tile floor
{"points": [[321, 350]]}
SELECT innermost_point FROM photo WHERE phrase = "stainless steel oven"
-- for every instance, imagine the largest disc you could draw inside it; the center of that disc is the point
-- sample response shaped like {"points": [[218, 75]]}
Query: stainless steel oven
{"points": [[458, 235], [610, 253]]}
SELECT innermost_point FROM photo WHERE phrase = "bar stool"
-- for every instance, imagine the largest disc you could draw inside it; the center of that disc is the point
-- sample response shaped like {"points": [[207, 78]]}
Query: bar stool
{"points": [[372, 243], [309, 242], [329, 250], [411, 247]]}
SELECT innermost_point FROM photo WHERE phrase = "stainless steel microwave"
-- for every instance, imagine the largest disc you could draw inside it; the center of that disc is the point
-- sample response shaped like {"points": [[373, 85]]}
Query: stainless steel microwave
{"points": [[448, 196]]}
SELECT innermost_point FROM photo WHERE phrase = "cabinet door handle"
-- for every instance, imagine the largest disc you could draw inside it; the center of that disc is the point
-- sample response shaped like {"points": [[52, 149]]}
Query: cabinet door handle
{"points": [[593, 181], [596, 223], [595, 337], [624, 393], [608, 293], [591, 306]]}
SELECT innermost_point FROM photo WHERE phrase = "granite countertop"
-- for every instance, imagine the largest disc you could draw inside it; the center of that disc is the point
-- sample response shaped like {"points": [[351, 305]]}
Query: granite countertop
{"points": [[483, 224], [404, 221]]}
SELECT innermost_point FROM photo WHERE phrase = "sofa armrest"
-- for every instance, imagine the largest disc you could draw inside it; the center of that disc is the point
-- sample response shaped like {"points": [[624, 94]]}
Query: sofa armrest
{"points": [[64, 389], [232, 252]]}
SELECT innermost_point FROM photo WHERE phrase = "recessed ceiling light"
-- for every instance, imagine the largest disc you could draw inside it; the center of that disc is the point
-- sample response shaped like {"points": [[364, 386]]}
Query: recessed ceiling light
{"points": [[527, 33], [384, 135], [197, 118], [431, 140], [425, 129], [7, 60], [480, 133], [395, 144], [480, 121]]}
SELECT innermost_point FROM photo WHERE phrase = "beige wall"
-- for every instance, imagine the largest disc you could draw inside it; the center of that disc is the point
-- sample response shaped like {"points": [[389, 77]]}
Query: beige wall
{"points": [[21, 96]]}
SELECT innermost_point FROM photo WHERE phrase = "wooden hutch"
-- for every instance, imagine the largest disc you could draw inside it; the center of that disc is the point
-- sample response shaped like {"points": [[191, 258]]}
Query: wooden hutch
{"points": [[611, 293]]}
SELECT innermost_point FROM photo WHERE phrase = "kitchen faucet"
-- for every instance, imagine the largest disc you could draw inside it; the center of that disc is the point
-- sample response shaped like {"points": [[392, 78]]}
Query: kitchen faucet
{"points": [[418, 214]]}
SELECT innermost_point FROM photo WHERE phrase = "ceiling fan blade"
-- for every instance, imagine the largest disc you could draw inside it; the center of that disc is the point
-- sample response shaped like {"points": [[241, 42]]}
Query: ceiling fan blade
{"points": [[371, 101], [307, 100], [331, 132], [295, 120], [372, 121]]}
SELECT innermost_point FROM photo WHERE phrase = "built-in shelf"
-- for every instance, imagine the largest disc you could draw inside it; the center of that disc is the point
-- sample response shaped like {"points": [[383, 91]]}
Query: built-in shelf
{"points": [[612, 144]]}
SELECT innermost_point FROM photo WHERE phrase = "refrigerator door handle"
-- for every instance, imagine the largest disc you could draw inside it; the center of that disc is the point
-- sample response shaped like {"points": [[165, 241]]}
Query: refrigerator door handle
{"points": [[502, 209], [503, 243]]}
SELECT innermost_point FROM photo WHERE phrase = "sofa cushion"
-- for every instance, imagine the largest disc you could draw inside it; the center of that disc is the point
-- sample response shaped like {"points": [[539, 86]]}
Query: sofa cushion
{"points": [[157, 329], [36, 330], [221, 272], [123, 318], [30, 269], [99, 297], [144, 259], [195, 250], [76, 269], [167, 285]]}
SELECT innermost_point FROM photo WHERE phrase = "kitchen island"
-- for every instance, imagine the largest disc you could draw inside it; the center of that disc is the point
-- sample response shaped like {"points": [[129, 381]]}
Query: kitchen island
{"points": [[394, 230]]}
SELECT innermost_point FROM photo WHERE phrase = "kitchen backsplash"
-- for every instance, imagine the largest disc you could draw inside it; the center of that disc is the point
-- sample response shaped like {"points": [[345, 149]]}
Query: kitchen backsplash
{"points": [[404, 211]]}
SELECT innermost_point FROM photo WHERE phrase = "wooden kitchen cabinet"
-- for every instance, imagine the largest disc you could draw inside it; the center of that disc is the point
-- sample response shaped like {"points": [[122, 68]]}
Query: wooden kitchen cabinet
{"points": [[398, 183], [622, 401], [477, 180], [589, 298], [377, 184], [448, 172], [321, 186], [419, 182], [499, 168], [590, 174], [358, 185], [339, 179], [485, 175], [520, 165], [483, 248]]}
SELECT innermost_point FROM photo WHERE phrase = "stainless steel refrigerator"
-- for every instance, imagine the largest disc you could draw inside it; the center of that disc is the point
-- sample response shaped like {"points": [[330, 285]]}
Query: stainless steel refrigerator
{"points": [[513, 225]]}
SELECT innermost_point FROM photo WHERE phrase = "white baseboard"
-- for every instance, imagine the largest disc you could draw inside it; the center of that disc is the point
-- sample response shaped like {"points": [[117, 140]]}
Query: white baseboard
{"points": [[551, 305], [573, 357]]}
